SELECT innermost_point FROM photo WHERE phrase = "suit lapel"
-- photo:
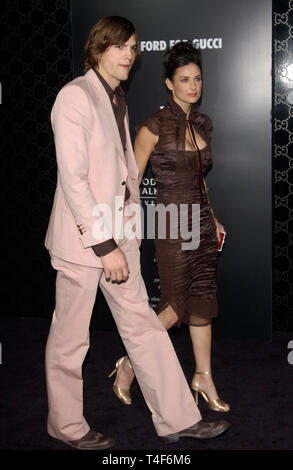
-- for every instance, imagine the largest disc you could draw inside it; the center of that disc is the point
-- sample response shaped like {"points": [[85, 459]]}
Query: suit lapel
{"points": [[129, 155], [100, 95]]}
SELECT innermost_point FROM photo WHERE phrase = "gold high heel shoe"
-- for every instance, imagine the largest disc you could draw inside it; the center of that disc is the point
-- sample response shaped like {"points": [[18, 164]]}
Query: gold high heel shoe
{"points": [[121, 393], [216, 404]]}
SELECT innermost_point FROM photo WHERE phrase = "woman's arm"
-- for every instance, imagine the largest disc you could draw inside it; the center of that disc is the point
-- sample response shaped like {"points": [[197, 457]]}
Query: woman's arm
{"points": [[144, 144]]}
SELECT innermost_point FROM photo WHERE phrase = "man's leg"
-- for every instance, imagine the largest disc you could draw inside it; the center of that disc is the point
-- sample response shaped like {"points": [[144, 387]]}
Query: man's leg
{"points": [[67, 345], [150, 350]]}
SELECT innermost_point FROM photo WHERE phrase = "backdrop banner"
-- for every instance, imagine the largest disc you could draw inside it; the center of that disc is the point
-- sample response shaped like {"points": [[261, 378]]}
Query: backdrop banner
{"points": [[236, 39]]}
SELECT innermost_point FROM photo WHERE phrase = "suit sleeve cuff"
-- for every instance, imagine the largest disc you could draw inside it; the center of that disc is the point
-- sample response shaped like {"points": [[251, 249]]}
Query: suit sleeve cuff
{"points": [[104, 248]]}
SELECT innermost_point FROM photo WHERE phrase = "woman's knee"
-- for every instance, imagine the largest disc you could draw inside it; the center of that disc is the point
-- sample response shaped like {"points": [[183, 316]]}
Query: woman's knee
{"points": [[170, 316]]}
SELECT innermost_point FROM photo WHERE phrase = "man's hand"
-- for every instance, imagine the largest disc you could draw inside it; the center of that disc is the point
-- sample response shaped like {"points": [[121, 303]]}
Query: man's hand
{"points": [[115, 266]]}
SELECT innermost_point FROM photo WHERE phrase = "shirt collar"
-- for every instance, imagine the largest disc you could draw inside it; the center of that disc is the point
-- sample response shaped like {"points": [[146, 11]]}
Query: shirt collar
{"points": [[107, 87]]}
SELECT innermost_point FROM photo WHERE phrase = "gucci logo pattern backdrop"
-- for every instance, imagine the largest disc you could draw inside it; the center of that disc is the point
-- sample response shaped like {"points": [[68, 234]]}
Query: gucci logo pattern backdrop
{"points": [[36, 60], [282, 164]]}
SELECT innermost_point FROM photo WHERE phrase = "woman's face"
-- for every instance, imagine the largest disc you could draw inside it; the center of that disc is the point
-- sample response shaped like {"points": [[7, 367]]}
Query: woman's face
{"points": [[186, 85]]}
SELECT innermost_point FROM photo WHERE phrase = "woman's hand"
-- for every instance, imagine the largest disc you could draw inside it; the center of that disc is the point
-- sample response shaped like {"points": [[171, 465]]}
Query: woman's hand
{"points": [[219, 227]]}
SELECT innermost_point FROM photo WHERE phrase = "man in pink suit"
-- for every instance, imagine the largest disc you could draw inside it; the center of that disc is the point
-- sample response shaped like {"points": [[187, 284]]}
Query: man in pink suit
{"points": [[97, 194]]}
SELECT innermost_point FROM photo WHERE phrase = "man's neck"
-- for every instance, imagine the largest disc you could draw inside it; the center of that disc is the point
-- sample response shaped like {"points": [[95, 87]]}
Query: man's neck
{"points": [[112, 83]]}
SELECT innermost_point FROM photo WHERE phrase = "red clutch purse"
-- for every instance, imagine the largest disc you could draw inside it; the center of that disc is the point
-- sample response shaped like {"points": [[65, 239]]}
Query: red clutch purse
{"points": [[222, 241]]}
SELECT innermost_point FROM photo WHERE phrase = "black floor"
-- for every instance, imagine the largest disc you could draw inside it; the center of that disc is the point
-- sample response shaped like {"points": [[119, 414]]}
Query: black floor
{"points": [[253, 376]]}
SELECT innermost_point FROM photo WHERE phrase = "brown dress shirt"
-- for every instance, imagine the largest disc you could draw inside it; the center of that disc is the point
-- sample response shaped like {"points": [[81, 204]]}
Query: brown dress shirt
{"points": [[119, 109]]}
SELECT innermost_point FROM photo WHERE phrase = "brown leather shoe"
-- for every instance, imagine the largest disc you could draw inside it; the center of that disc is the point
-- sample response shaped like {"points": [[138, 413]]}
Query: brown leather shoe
{"points": [[199, 430], [91, 441]]}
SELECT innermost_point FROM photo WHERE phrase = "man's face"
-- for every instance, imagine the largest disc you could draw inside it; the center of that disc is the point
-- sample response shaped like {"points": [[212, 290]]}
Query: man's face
{"points": [[115, 63]]}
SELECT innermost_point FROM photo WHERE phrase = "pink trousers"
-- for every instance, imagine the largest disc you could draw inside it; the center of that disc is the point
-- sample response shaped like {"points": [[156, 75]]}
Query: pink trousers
{"points": [[147, 343]]}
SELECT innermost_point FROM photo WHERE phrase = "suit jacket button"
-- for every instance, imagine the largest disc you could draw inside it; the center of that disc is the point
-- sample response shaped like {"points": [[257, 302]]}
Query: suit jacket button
{"points": [[123, 183]]}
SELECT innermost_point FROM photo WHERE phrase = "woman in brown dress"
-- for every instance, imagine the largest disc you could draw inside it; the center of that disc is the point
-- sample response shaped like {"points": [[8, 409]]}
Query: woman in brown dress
{"points": [[176, 141]]}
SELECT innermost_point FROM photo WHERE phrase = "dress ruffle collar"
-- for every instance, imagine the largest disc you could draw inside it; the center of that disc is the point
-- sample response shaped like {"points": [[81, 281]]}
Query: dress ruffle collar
{"points": [[178, 111]]}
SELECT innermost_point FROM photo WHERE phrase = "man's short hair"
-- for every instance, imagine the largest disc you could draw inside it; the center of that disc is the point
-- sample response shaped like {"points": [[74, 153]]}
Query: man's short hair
{"points": [[109, 31]]}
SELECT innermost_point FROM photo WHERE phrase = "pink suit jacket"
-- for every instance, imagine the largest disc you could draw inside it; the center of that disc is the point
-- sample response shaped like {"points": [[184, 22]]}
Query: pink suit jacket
{"points": [[92, 170]]}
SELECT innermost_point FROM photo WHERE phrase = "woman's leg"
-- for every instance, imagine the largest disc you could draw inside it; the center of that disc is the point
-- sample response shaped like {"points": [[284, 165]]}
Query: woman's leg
{"points": [[168, 317], [201, 337]]}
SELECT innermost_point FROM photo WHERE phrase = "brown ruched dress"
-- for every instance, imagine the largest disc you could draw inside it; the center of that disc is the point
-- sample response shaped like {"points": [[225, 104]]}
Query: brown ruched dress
{"points": [[187, 277]]}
